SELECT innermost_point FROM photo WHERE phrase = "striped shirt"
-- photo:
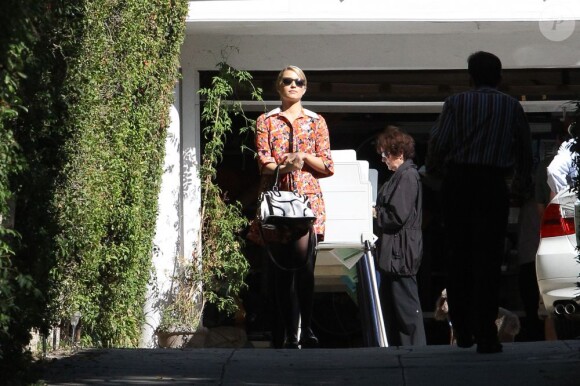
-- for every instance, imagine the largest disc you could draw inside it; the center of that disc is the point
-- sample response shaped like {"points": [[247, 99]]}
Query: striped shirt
{"points": [[482, 127]]}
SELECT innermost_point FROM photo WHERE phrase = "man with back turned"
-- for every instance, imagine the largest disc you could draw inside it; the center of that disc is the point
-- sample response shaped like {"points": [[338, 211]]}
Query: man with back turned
{"points": [[480, 141]]}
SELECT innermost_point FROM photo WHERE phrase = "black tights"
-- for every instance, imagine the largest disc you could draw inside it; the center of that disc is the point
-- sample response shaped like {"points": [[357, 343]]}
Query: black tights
{"points": [[293, 289]]}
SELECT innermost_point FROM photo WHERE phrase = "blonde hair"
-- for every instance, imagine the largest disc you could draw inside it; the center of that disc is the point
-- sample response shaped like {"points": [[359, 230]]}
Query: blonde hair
{"points": [[296, 70]]}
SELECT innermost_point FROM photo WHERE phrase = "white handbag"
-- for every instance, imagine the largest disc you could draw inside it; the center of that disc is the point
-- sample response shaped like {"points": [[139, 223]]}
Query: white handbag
{"points": [[282, 212], [278, 207]]}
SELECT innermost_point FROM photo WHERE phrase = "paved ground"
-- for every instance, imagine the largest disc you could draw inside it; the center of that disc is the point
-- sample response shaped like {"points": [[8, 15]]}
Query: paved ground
{"points": [[529, 364]]}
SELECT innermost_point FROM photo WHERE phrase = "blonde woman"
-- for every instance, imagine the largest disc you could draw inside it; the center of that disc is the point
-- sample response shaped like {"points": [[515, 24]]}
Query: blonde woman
{"points": [[296, 140]]}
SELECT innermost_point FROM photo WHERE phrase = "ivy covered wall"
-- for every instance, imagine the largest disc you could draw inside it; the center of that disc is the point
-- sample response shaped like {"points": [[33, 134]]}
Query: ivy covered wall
{"points": [[18, 293], [98, 88]]}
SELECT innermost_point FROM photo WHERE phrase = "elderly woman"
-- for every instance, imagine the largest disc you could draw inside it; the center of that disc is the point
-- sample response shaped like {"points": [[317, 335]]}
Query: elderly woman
{"points": [[398, 211]]}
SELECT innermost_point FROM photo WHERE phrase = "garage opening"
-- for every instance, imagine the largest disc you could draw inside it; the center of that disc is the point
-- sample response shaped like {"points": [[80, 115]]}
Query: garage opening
{"points": [[357, 105]]}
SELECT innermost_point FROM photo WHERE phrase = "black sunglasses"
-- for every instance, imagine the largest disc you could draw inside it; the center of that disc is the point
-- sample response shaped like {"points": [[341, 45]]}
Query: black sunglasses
{"points": [[288, 81]]}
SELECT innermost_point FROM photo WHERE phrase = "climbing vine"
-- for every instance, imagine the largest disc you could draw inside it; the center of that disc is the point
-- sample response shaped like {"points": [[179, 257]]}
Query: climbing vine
{"points": [[18, 291], [223, 265], [99, 86]]}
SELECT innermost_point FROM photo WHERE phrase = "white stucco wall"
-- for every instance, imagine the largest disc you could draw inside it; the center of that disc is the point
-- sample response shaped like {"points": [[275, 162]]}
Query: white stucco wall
{"points": [[168, 242], [386, 10], [190, 156], [383, 34], [523, 49]]}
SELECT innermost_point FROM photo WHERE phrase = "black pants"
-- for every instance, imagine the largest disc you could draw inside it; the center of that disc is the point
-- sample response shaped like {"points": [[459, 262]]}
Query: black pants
{"points": [[293, 290], [402, 311], [475, 204], [530, 295]]}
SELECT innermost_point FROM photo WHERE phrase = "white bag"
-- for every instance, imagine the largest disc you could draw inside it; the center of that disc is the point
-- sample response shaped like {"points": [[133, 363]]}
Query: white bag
{"points": [[285, 214], [285, 208]]}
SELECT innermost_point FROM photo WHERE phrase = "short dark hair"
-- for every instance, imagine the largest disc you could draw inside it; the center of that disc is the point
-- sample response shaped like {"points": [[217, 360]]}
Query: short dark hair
{"points": [[396, 142], [484, 68]]}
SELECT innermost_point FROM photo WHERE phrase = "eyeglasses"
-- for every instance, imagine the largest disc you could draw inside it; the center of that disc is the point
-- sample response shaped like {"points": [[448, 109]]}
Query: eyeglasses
{"points": [[288, 81]]}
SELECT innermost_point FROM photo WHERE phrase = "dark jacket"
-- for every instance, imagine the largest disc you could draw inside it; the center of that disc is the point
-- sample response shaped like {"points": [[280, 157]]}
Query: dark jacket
{"points": [[399, 210]]}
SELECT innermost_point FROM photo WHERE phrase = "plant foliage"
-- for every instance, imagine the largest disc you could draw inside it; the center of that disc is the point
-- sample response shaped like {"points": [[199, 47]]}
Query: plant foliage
{"points": [[17, 289], [99, 86], [223, 265], [574, 131], [572, 114]]}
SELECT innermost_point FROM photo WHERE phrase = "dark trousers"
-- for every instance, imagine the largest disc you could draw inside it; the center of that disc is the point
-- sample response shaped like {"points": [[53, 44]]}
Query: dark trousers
{"points": [[530, 295], [475, 204], [402, 311], [292, 290]]}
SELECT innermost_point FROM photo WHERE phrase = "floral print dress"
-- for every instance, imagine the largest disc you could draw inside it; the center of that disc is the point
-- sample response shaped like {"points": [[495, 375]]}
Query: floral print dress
{"points": [[310, 135]]}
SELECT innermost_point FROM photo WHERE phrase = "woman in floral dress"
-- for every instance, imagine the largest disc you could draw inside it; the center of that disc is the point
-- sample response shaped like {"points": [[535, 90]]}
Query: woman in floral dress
{"points": [[300, 167]]}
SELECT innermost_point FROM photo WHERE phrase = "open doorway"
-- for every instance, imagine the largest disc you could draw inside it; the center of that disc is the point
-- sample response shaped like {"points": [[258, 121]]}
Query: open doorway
{"points": [[351, 127]]}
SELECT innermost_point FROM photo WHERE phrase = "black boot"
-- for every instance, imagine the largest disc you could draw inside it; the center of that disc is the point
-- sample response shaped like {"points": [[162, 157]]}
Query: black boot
{"points": [[291, 341], [307, 338]]}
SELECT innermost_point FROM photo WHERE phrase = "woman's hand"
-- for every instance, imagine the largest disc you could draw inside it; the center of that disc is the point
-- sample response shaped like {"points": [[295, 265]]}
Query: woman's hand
{"points": [[294, 161]]}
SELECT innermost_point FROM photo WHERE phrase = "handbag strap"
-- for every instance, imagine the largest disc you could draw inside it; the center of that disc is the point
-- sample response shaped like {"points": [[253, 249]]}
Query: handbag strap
{"points": [[291, 139], [276, 175], [277, 170], [291, 148]]}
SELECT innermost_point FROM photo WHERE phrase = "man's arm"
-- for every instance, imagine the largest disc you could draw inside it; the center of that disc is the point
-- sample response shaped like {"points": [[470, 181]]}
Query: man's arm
{"points": [[524, 158], [439, 140]]}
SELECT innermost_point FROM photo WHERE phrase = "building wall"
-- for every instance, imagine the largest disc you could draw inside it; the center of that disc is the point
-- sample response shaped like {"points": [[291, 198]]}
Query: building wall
{"points": [[522, 49], [167, 239]]}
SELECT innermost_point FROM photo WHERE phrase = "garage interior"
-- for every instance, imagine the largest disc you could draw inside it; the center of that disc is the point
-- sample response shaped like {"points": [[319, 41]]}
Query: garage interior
{"points": [[357, 105]]}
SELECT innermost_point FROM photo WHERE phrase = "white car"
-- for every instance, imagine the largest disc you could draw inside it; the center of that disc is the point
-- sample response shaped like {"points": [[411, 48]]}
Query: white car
{"points": [[557, 264]]}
